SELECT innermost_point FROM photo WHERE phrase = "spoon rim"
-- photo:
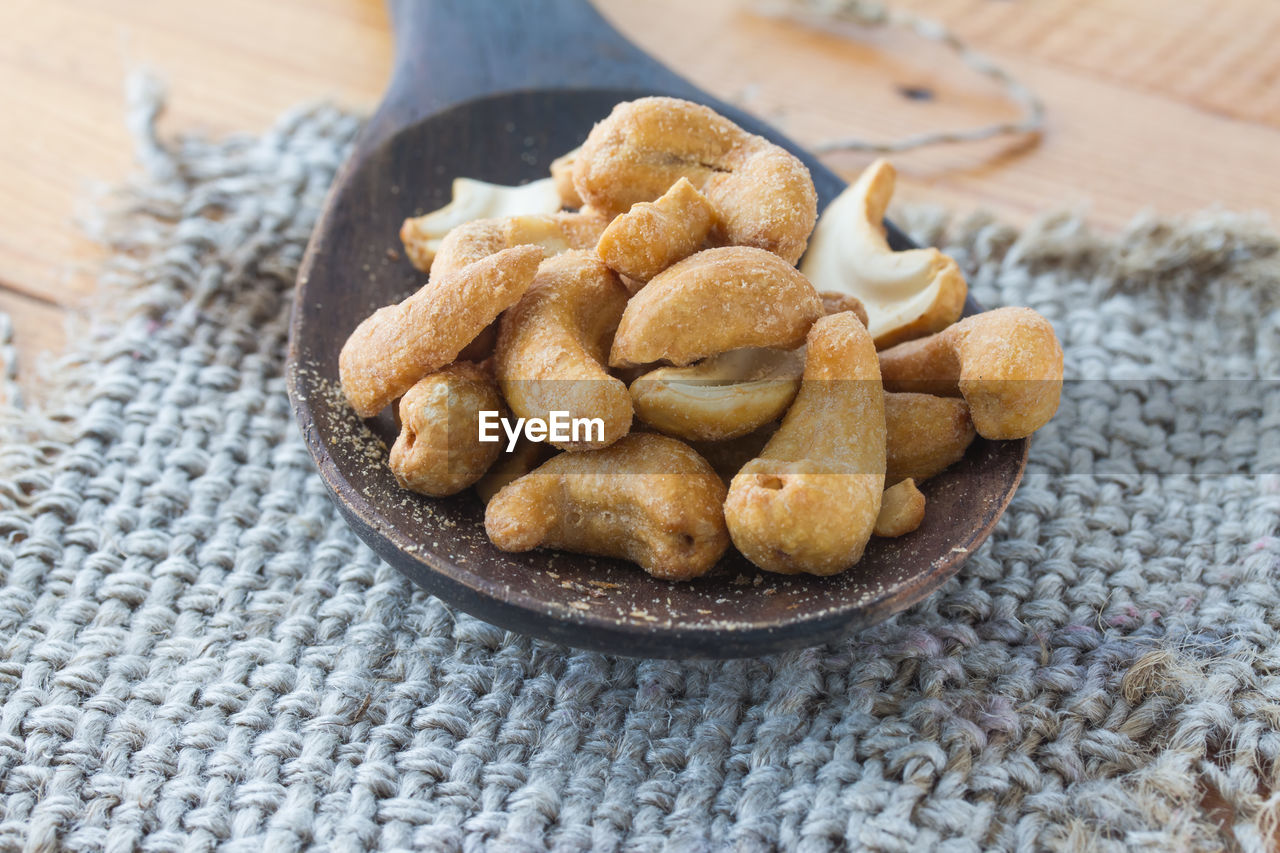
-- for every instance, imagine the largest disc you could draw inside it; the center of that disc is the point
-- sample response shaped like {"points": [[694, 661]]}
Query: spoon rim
{"points": [[497, 602]]}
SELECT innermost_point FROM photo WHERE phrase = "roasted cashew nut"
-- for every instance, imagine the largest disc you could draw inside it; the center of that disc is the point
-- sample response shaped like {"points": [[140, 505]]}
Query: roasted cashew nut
{"points": [[552, 344], [511, 466], [924, 435], [562, 178], [715, 301], [764, 195], [438, 451], [553, 232], [399, 344], [721, 397], [837, 303], [727, 457], [652, 236], [1006, 363], [646, 498], [809, 501], [901, 510], [906, 294], [472, 199]]}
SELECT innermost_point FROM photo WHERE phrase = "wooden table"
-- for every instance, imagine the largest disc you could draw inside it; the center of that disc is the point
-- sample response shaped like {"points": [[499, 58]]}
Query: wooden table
{"points": [[1151, 104]]}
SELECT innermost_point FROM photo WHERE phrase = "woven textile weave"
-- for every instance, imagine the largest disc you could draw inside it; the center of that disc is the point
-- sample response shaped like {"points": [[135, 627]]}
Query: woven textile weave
{"points": [[196, 654]]}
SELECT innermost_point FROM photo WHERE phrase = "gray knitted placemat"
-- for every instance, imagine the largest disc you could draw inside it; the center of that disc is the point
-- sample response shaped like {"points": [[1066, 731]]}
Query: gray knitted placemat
{"points": [[195, 653]]}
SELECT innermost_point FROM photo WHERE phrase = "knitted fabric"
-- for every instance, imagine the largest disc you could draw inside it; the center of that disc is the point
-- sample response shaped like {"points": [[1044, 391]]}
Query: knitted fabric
{"points": [[196, 654]]}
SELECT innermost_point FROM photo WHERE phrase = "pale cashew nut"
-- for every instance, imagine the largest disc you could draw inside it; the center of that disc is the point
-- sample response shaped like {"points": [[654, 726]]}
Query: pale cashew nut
{"points": [[557, 232], [1006, 363], [646, 498], [724, 396], [562, 177], [399, 344], [552, 232], [715, 301], [472, 199], [552, 344], [652, 236], [901, 510], [809, 501], [906, 294], [764, 195], [438, 451], [925, 435]]}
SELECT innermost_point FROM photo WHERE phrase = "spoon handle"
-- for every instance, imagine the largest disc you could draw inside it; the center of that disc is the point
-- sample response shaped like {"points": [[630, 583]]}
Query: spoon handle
{"points": [[451, 51]]}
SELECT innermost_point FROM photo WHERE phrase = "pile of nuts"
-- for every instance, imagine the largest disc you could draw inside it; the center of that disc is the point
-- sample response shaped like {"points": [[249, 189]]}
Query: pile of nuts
{"points": [[725, 395]]}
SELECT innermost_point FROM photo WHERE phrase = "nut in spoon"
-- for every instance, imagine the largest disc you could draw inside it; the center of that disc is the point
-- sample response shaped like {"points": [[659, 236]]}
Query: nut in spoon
{"points": [[496, 90]]}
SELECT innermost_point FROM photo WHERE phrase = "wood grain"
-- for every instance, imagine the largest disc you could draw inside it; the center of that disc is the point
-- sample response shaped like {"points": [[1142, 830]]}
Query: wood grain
{"points": [[1152, 105]]}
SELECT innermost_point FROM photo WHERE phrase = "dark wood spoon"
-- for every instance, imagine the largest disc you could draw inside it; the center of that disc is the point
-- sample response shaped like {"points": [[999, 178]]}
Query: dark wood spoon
{"points": [[495, 90]]}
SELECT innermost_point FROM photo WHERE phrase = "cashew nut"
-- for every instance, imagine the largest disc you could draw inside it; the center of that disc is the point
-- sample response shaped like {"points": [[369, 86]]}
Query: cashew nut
{"points": [[724, 396], [834, 302], [473, 199], [727, 457], [511, 466], [399, 344], [552, 344], [906, 294], [652, 236], [562, 176], [714, 301], [1006, 363], [553, 232], [925, 435], [901, 510], [763, 194], [646, 498], [809, 501], [438, 451]]}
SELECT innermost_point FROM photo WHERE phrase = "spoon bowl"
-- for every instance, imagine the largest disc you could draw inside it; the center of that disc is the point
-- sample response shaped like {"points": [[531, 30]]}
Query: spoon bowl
{"points": [[403, 165]]}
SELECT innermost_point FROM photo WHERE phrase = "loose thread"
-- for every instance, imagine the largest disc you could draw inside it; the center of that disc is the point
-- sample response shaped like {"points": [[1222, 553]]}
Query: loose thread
{"points": [[871, 14]]}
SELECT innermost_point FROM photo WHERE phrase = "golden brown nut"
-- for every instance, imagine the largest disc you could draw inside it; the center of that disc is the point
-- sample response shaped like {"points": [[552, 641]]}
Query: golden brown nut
{"points": [[1006, 363], [512, 466], [838, 303], [469, 242], [647, 498], [715, 301], [562, 177], [472, 199], [552, 344], [438, 451], [728, 456], [553, 232], [482, 346], [901, 510], [763, 195], [924, 435], [721, 397], [399, 344], [652, 236], [906, 294], [809, 502]]}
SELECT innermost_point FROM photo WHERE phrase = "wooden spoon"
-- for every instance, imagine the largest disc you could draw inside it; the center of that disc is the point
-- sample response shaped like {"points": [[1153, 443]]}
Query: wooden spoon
{"points": [[495, 90]]}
